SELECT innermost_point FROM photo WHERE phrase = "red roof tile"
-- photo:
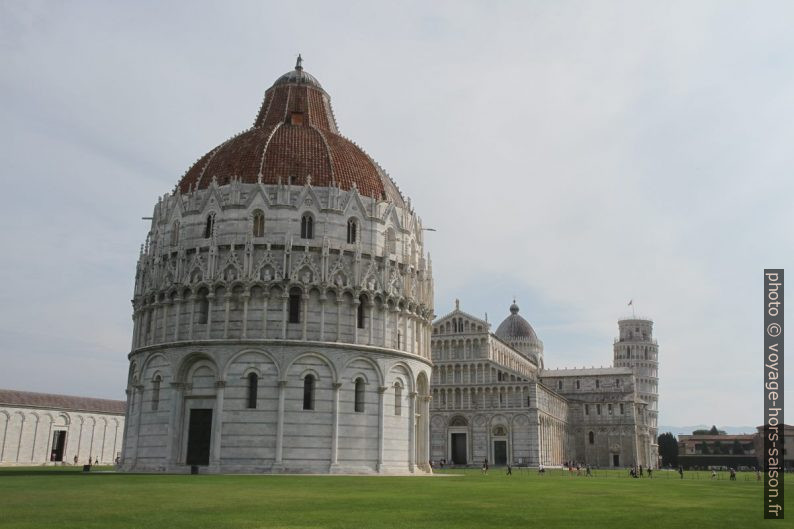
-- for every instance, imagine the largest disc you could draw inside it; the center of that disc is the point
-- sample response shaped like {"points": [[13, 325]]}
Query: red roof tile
{"points": [[27, 399], [280, 148]]}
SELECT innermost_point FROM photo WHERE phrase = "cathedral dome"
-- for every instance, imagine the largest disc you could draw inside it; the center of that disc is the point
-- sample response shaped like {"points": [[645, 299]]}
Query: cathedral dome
{"points": [[294, 140], [515, 327], [519, 334]]}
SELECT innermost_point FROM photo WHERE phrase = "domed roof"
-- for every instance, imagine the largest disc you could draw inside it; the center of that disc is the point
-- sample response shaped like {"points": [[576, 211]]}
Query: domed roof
{"points": [[515, 328], [294, 139]]}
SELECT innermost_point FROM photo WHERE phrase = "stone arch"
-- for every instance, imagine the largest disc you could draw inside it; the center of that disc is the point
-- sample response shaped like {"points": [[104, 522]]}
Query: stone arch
{"points": [[401, 370], [323, 359], [459, 420], [347, 370], [422, 384], [190, 361], [227, 366], [132, 376], [148, 361]]}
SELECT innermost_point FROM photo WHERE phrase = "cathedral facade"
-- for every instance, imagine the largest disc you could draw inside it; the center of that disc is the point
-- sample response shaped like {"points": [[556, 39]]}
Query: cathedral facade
{"points": [[493, 398], [282, 308]]}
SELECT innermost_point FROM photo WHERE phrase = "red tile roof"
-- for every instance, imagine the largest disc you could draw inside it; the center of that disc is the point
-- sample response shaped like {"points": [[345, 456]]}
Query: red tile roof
{"points": [[276, 150], [27, 399]]}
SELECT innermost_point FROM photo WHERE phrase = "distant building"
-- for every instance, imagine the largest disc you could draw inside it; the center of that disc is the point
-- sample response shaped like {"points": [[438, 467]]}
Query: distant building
{"points": [[788, 446], [494, 399], [40, 428], [717, 450]]}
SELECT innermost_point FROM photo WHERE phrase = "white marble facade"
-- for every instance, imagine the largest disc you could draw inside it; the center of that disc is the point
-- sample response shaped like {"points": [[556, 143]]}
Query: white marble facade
{"points": [[493, 399], [40, 428], [282, 327]]}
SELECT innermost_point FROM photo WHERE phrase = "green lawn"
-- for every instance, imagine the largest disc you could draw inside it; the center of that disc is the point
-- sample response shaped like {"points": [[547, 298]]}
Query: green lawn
{"points": [[66, 498]]}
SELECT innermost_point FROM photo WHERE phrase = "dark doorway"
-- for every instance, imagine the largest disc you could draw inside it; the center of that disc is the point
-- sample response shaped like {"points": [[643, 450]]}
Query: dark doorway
{"points": [[459, 448], [198, 437], [58, 444], [615, 460], [500, 452]]}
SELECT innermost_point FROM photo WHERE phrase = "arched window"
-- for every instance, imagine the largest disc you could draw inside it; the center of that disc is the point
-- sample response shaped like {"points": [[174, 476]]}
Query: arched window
{"points": [[352, 229], [259, 223], [307, 226], [398, 398], [559, 384], [175, 233], [598, 383], [253, 382], [209, 228], [591, 438], [578, 385], [308, 392], [359, 397], [391, 241], [156, 393], [360, 311], [203, 307], [295, 305]]}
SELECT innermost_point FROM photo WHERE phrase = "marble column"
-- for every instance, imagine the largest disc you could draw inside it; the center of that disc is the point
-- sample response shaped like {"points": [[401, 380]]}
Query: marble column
{"points": [[217, 425], [227, 299], [174, 423], [177, 314], [323, 298], [282, 387], [412, 431], [246, 296], [211, 304], [381, 425], [336, 386], [305, 315]]}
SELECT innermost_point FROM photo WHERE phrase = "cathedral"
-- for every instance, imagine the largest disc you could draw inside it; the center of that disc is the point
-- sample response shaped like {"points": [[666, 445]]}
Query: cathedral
{"points": [[493, 399]]}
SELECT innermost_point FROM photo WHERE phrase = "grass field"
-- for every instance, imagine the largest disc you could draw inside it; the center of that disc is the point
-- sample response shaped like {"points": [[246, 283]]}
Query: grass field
{"points": [[66, 498]]}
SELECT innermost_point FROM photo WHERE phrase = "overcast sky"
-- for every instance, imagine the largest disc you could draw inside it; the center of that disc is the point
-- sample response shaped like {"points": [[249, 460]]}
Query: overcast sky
{"points": [[574, 154]]}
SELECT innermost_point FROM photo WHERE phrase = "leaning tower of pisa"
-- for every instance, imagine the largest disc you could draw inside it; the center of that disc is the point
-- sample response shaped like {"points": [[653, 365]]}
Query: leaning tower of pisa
{"points": [[637, 349]]}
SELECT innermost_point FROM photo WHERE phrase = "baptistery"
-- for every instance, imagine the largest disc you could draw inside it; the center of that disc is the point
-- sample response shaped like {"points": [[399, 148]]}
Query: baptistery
{"points": [[282, 307]]}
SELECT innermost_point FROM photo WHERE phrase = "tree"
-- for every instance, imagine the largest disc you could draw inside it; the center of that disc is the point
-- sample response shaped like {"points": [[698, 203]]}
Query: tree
{"points": [[704, 449], [711, 431], [738, 449], [668, 449]]}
